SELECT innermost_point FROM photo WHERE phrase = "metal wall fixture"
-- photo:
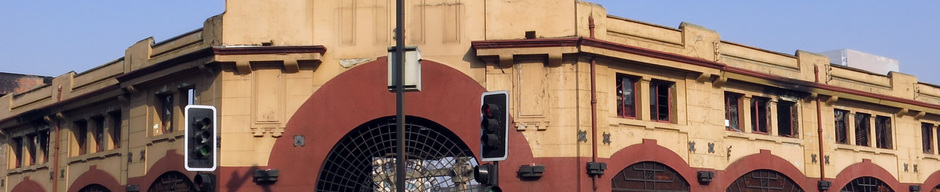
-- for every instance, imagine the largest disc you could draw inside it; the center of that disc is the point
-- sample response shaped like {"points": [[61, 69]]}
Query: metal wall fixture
{"points": [[266, 176], [596, 168], [915, 188], [531, 171], [823, 185], [705, 177]]}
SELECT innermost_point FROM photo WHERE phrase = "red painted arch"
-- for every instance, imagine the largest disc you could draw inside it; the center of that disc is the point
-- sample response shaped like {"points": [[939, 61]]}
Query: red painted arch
{"points": [[763, 160], [170, 162], [448, 97], [95, 176], [648, 150], [865, 169], [27, 185]]}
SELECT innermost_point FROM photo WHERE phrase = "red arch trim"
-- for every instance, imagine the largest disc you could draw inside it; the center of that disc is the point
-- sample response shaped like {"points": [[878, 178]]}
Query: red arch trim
{"points": [[648, 150], [170, 162], [866, 169], [932, 181], [764, 160], [95, 176], [27, 185]]}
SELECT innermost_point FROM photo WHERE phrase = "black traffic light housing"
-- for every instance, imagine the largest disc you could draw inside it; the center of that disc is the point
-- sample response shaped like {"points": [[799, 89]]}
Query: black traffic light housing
{"points": [[204, 182], [488, 177], [200, 145], [494, 127]]}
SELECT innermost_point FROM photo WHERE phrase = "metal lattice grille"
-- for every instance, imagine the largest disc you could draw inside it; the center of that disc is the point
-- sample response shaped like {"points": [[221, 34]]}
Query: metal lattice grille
{"points": [[364, 159], [764, 181], [867, 184], [172, 182], [94, 188], [649, 176]]}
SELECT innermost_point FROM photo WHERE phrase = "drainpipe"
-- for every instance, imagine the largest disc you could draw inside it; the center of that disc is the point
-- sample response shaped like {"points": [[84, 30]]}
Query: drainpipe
{"points": [[55, 156], [593, 104], [822, 165]]}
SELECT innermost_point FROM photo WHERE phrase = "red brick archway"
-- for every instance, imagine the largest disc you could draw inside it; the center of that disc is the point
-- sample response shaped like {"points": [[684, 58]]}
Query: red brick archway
{"points": [[763, 160], [648, 150], [867, 169], [448, 97], [170, 162], [27, 186], [95, 176]]}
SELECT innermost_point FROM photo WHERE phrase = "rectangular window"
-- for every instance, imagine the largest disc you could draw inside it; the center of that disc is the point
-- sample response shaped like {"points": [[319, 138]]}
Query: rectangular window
{"points": [[733, 111], [926, 130], [18, 151], [841, 126], [788, 120], [626, 96], [43, 139], [862, 127], [660, 100], [760, 114], [99, 134], [81, 132], [115, 129], [165, 112], [190, 96], [31, 148], [883, 132]]}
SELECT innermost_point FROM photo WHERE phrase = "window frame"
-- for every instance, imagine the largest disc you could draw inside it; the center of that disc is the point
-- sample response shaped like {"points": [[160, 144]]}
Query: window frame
{"points": [[165, 107], [98, 134], [757, 112], [81, 136], [884, 135], [862, 137], [17, 152], [116, 126], [656, 95], [735, 99], [926, 130], [844, 132], [791, 116], [620, 105]]}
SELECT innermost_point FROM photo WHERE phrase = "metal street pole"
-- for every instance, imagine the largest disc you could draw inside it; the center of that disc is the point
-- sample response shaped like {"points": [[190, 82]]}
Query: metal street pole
{"points": [[398, 64]]}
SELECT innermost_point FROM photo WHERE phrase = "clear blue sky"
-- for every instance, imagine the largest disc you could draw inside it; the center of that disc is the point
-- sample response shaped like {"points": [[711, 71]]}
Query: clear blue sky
{"points": [[54, 37]]}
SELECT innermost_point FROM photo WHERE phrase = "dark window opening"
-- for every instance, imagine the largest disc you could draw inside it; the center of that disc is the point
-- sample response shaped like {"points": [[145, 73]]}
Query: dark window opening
{"points": [[867, 184], [788, 120], [116, 129], [862, 127], [99, 134], [31, 148], [660, 100], [81, 132], [764, 181], [648, 176], [760, 114], [883, 134], [165, 112], [18, 151], [43, 139], [733, 111], [926, 130], [841, 126], [626, 96]]}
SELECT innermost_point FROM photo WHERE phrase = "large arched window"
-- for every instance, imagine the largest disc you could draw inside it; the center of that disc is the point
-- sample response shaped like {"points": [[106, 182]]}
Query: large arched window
{"points": [[648, 176], [94, 188], [867, 184], [172, 182], [764, 181]]}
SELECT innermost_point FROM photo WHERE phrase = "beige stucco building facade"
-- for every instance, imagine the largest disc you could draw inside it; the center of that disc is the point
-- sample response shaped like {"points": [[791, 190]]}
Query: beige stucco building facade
{"points": [[300, 87]]}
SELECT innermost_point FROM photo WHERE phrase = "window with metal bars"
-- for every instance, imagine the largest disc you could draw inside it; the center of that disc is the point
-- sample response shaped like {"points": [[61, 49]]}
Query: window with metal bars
{"points": [[764, 181], [626, 96], [788, 120], [926, 130], [733, 111], [760, 114], [862, 127], [648, 176], [867, 184], [661, 100], [841, 126], [883, 134]]}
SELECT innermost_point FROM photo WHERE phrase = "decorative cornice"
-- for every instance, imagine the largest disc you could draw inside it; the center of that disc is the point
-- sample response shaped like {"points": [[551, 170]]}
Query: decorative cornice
{"points": [[251, 50]]}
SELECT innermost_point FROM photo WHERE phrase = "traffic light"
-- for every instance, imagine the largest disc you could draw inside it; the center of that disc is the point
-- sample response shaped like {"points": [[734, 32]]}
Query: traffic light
{"points": [[494, 137], [201, 137], [488, 177], [204, 182]]}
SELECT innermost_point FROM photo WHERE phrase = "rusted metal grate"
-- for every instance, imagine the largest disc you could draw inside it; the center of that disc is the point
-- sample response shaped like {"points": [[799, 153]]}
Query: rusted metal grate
{"points": [[172, 182], [649, 176], [866, 184], [364, 159]]}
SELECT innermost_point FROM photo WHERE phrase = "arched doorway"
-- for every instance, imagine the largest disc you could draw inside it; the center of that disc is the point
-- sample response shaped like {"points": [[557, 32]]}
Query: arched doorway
{"points": [[764, 181], [867, 184], [172, 182], [364, 159], [94, 188], [648, 176]]}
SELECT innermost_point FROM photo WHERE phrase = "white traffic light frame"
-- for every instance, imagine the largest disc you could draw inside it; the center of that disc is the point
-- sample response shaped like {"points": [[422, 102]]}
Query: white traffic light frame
{"points": [[505, 125], [213, 140]]}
